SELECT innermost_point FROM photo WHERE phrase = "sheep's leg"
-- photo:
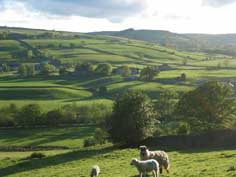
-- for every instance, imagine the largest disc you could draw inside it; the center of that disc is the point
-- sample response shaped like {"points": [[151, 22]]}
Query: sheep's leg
{"points": [[141, 174], [161, 170], [157, 172], [167, 167], [154, 173], [144, 174]]}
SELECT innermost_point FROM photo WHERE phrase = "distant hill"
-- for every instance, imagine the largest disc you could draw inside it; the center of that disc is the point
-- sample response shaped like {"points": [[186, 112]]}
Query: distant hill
{"points": [[221, 44]]}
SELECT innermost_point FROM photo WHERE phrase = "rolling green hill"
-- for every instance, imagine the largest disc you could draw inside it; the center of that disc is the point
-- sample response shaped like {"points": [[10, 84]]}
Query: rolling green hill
{"points": [[73, 48], [221, 44], [70, 158]]}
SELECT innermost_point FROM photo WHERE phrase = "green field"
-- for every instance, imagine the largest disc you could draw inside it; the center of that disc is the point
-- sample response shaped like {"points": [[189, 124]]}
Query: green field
{"points": [[56, 91], [78, 161]]}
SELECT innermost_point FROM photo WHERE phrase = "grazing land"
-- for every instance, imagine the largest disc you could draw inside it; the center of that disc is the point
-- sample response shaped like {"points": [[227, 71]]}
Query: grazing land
{"points": [[77, 161], [74, 48], [65, 49]]}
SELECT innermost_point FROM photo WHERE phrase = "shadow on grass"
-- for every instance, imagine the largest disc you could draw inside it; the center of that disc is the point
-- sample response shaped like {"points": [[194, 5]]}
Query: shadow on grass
{"points": [[39, 139], [52, 161]]}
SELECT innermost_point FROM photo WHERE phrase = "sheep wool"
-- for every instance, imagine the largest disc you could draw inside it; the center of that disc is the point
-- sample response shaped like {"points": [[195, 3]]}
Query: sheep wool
{"points": [[146, 166], [161, 157]]}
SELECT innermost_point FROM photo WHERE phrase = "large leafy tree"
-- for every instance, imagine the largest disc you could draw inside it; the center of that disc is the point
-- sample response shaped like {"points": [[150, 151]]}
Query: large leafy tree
{"points": [[148, 73], [48, 69], [210, 106], [27, 70], [125, 71], [104, 69], [30, 115], [84, 69], [166, 104], [133, 118]]}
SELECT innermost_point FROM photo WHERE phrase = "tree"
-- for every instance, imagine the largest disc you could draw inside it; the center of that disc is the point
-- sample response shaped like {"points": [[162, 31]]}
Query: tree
{"points": [[183, 77], [63, 71], [8, 115], [103, 90], [30, 70], [22, 70], [125, 71], [148, 73], [165, 104], [30, 115], [104, 69], [30, 54], [133, 118], [27, 70], [210, 106], [100, 136], [84, 69], [48, 69], [5, 67], [54, 117]]}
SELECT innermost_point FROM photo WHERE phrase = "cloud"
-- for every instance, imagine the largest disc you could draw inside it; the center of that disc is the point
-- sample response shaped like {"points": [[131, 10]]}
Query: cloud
{"points": [[113, 10], [217, 3]]}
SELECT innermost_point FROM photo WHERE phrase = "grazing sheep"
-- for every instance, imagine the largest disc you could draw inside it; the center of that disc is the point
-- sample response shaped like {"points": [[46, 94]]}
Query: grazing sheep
{"points": [[146, 166], [160, 156], [95, 171]]}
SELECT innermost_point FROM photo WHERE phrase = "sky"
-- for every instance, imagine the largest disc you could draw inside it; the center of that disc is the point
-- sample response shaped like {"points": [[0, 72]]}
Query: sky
{"points": [[181, 16]]}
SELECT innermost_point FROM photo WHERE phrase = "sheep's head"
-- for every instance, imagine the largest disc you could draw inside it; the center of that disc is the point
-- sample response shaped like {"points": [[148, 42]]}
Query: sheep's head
{"points": [[143, 150], [133, 161]]}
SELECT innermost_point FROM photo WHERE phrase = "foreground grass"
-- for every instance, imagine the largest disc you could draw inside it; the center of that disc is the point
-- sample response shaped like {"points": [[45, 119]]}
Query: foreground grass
{"points": [[78, 161], [208, 163]]}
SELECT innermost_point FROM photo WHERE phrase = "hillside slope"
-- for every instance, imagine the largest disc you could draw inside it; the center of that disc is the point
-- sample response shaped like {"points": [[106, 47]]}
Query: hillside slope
{"points": [[67, 49], [221, 44]]}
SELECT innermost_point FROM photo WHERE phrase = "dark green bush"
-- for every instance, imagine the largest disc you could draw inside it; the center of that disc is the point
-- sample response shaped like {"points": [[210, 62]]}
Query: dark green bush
{"points": [[89, 142], [37, 155], [100, 136]]}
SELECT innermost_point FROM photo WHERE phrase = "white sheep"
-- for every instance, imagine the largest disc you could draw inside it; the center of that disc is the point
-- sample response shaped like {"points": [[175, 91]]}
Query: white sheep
{"points": [[95, 171], [146, 166], [160, 156]]}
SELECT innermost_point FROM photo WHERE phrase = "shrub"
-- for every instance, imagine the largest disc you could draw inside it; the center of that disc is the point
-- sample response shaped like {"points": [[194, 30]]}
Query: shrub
{"points": [[30, 115], [100, 136], [54, 117], [148, 73], [37, 155], [89, 142], [104, 69], [183, 128], [102, 90]]}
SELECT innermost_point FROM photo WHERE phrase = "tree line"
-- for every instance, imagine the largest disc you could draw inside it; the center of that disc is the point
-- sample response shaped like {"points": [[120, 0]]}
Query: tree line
{"points": [[135, 117], [32, 115]]}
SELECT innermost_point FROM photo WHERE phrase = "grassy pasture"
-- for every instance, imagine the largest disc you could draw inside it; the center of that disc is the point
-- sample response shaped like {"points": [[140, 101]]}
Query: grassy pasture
{"points": [[42, 93], [55, 91], [113, 162]]}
